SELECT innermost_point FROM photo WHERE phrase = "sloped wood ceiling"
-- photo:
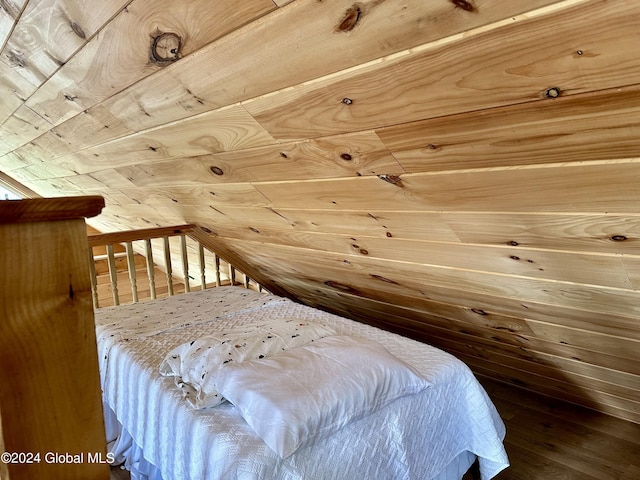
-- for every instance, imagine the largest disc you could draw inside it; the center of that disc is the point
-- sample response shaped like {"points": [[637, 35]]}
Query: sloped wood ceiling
{"points": [[462, 171]]}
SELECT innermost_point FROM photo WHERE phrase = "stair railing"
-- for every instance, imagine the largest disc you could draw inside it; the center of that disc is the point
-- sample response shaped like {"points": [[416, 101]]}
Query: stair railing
{"points": [[141, 243]]}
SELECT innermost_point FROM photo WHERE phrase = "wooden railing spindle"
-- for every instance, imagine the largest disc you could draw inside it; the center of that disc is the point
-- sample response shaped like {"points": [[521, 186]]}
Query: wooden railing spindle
{"points": [[232, 274], [203, 279], [167, 265], [113, 274], [150, 268], [127, 239], [131, 266], [217, 263], [185, 263], [94, 279]]}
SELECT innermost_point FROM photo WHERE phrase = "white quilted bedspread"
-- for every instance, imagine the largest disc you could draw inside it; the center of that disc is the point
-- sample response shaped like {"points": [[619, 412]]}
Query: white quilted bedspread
{"points": [[414, 438]]}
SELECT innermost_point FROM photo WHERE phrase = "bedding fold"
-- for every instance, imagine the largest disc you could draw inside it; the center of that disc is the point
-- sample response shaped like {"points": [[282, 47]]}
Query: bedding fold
{"points": [[195, 365]]}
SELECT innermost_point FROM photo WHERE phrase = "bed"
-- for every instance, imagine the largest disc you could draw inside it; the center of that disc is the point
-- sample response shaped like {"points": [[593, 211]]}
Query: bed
{"points": [[437, 433]]}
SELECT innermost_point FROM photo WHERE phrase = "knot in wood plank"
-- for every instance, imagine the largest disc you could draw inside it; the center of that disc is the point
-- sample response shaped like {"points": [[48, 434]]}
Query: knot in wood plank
{"points": [[465, 5], [351, 18], [165, 47]]}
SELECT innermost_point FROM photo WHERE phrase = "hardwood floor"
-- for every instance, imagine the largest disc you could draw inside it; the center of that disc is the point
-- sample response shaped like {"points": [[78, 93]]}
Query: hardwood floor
{"points": [[552, 440]]}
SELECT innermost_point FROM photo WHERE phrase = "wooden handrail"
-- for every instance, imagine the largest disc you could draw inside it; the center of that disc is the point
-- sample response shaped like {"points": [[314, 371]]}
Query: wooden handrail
{"points": [[162, 234], [101, 239]]}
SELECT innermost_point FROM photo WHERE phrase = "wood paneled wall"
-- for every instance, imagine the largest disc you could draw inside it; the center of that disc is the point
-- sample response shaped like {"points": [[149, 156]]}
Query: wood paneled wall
{"points": [[465, 172]]}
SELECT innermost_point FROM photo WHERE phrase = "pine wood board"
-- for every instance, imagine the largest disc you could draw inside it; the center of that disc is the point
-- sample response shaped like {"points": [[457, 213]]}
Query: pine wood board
{"points": [[592, 188], [476, 307], [47, 35], [606, 270], [344, 156], [9, 14], [604, 233], [423, 225], [234, 222], [609, 381], [466, 74], [593, 126], [12, 90], [554, 366], [221, 130], [350, 271], [11, 161], [571, 232], [13, 129], [91, 77], [55, 187], [632, 267], [70, 136], [45, 170], [196, 196], [216, 76]]}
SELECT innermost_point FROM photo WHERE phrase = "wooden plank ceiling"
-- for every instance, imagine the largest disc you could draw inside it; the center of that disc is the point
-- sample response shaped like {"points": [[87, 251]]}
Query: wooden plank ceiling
{"points": [[465, 172]]}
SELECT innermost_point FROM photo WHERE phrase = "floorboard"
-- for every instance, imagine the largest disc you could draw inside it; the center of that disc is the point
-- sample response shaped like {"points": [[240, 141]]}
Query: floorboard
{"points": [[549, 439], [552, 440]]}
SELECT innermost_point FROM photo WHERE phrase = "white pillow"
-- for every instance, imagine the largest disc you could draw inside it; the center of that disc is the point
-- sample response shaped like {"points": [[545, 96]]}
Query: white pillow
{"points": [[305, 394], [195, 364]]}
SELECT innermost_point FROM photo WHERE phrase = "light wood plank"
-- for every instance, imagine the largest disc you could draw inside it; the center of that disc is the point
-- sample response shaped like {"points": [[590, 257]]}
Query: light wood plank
{"points": [[91, 77], [594, 188], [217, 76], [418, 280], [131, 268], [594, 126], [23, 123], [603, 270], [589, 233], [236, 194], [227, 129], [343, 156], [466, 74], [608, 233], [9, 15], [47, 34]]}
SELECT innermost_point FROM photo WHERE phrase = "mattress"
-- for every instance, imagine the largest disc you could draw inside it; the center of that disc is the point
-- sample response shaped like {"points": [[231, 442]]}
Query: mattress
{"points": [[422, 436]]}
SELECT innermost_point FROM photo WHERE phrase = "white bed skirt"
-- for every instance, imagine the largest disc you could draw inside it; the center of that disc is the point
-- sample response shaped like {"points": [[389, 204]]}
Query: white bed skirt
{"points": [[130, 456]]}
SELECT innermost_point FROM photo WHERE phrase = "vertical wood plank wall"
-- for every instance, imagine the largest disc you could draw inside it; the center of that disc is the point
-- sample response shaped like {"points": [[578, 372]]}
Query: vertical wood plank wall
{"points": [[461, 171]]}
